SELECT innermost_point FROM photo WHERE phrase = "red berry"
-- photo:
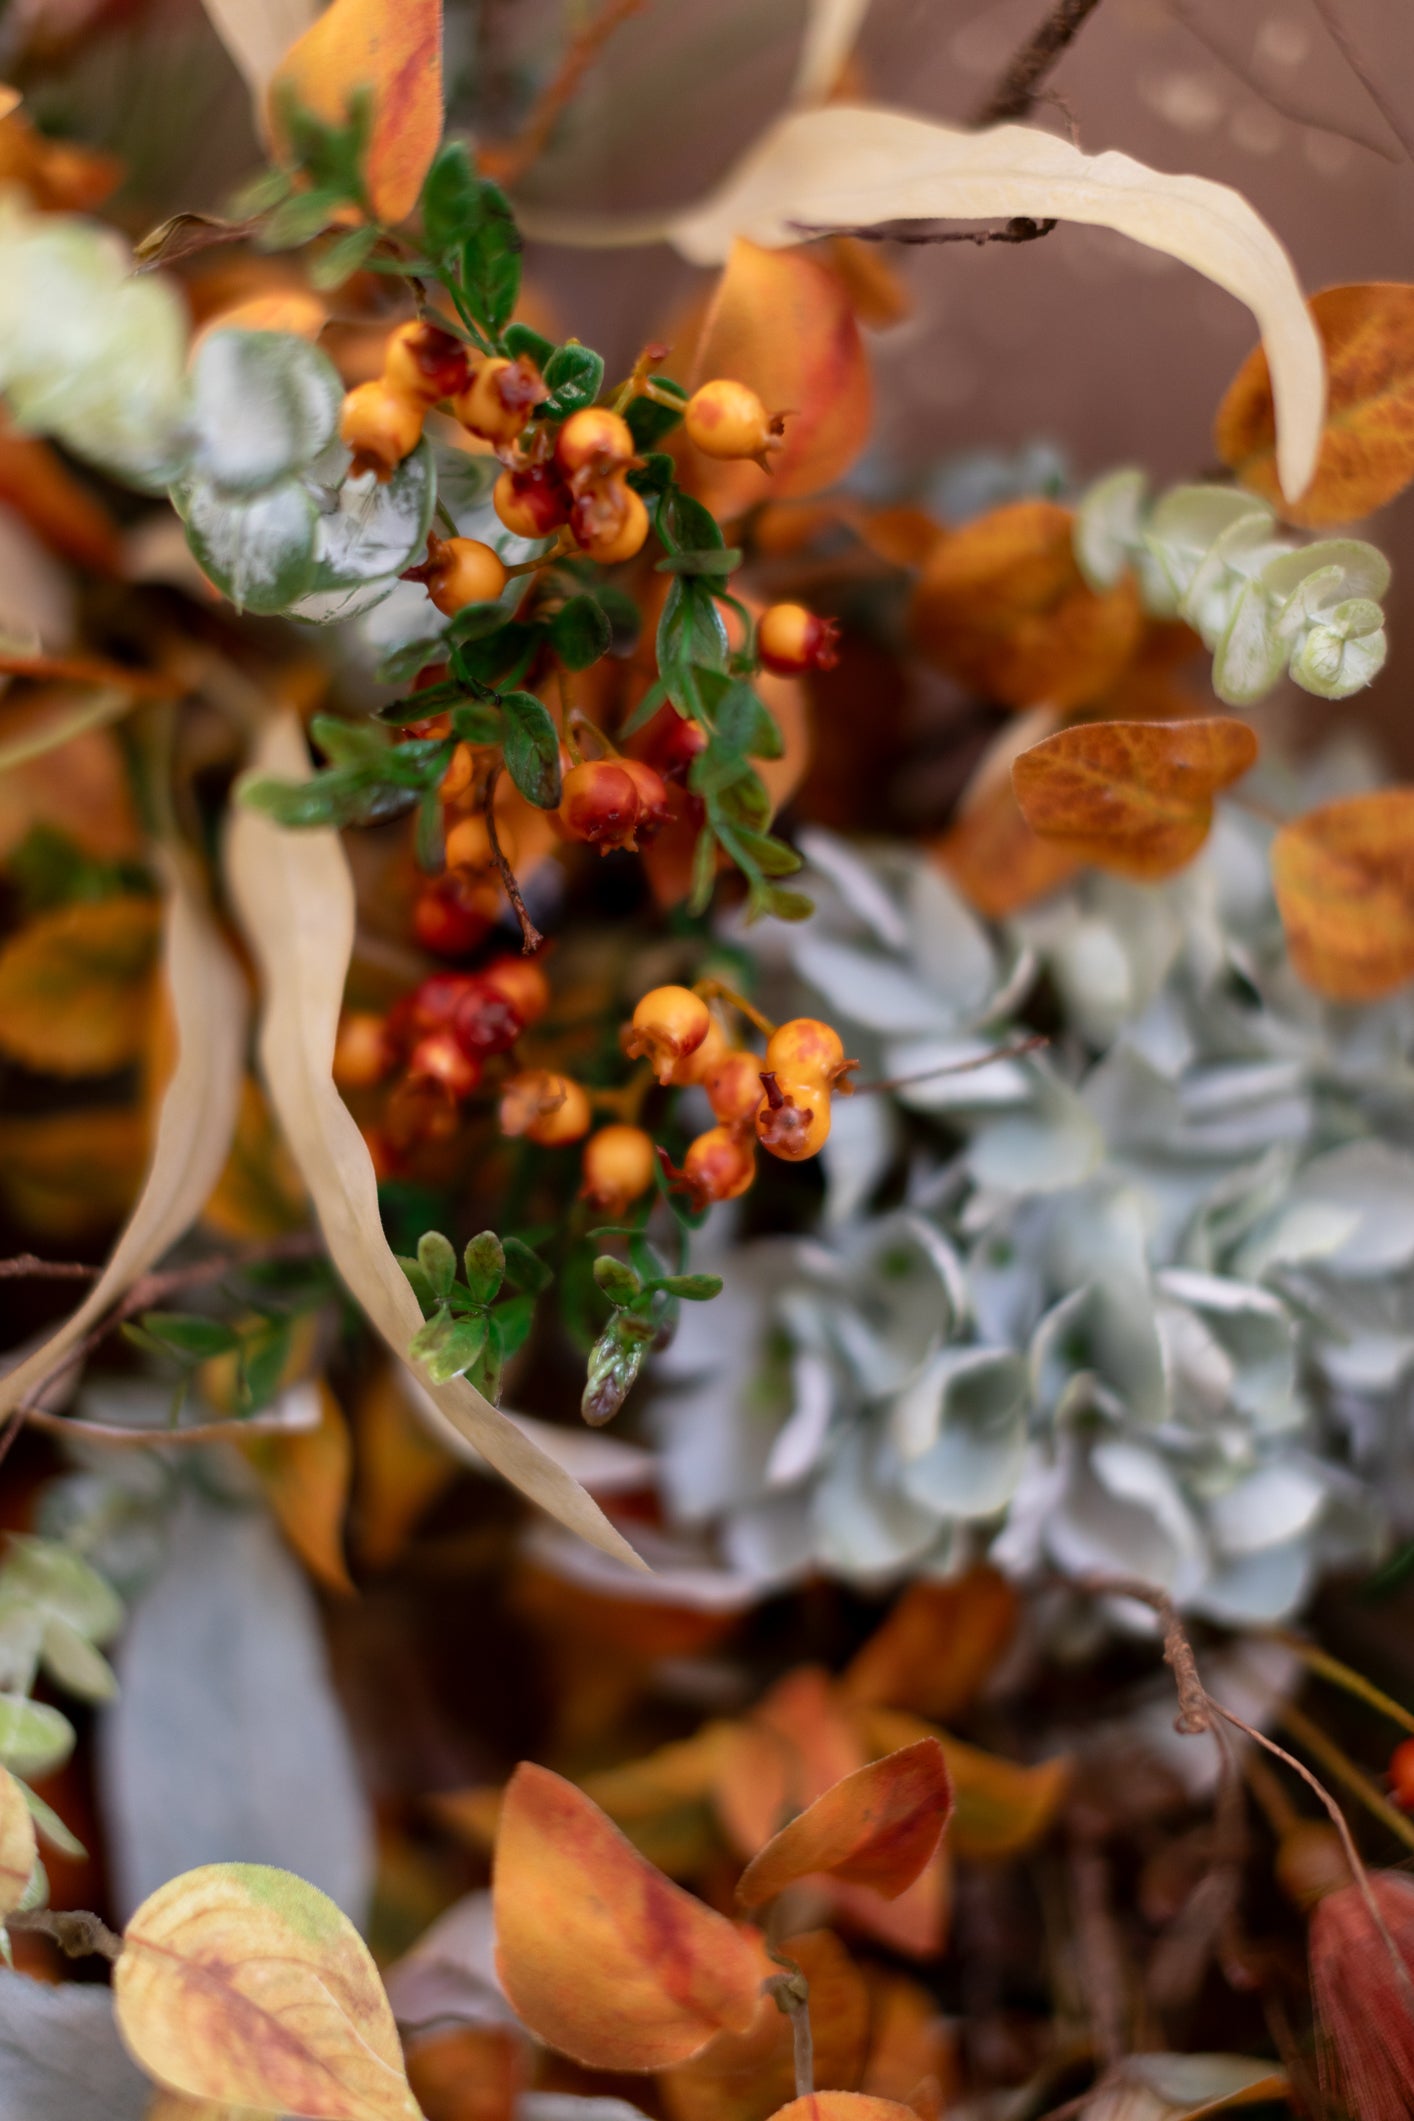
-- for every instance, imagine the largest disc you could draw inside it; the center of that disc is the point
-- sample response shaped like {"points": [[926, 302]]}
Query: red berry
{"points": [[1401, 1775], [652, 794], [486, 1020], [439, 1057], [523, 983], [449, 924], [599, 803]]}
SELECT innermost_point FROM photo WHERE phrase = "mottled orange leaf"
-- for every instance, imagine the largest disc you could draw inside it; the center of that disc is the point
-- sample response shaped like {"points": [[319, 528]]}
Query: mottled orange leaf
{"points": [[915, 1925], [996, 860], [1367, 447], [879, 296], [938, 1646], [782, 322], [393, 49], [471, 2073], [402, 1469], [1133, 797], [878, 1827], [844, 2106], [305, 1477], [75, 986], [797, 1743], [746, 2076], [1002, 607], [911, 2043], [1344, 881], [600, 1955], [1000, 1807]]}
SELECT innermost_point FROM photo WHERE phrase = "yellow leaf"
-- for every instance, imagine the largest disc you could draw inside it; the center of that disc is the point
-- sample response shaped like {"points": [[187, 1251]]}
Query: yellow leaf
{"points": [[65, 1173], [306, 1481], [194, 1127], [295, 898], [393, 49], [1367, 447], [938, 1646], [18, 1849], [242, 1984], [1136, 797], [1344, 882], [856, 165], [75, 989]]}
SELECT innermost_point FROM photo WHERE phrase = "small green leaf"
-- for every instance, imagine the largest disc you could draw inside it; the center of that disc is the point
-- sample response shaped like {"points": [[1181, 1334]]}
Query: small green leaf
{"points": [[265, 1352], [531, 747], [710, 559], [523, 1269], [485, 1264], [187, 1334], [649, 421], [513, 1320], [34, 1738], [437, 1260], [618, 1282], [349, 743], [519, 339], [50, 1826], [693, 1288], [490, 258], [449, 198], [580, 633], [447, 1346], [742, 719], [575, 375], [422, 1287], [342, 258], [474, 621]]}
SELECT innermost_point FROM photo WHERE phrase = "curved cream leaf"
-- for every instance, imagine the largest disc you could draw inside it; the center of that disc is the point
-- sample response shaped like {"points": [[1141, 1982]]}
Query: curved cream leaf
{"points": [[194, 1128], [295, 898], [257, 34], [853, 165], [831, 31]]}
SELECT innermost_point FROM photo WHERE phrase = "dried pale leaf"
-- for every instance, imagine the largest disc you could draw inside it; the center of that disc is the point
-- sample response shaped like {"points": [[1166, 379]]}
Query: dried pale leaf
{"points": [[782, 322], [392, 48], [242, 1984], [295, 897], [1344, 882], [306, 1482], [938, 1646], [1367, 446], [175, 2106], [259, 1193], [1134, 797], [856, 165], [74, 986], [18, 1848], [878, 1827], [601, 1956], [194, 1128], [746, 2076], [1003, 608], [258, 33], [831, 28]]}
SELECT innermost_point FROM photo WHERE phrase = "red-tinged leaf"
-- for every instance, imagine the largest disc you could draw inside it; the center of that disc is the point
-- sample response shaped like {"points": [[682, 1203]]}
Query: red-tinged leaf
{"points": [[393, 49], [1133, 797], [782, 322], [878, 1827], [938, 1645], [1344, 882], [601, 1956]]}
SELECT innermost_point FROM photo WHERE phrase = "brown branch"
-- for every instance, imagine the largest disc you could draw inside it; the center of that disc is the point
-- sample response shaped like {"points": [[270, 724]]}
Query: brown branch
{"points": [[233, 1429], [531, 939], [91, 670], [78, 1934], [1020, 229], [1027, 69], [24, 1266], [510, 161], [1012, 1050]]}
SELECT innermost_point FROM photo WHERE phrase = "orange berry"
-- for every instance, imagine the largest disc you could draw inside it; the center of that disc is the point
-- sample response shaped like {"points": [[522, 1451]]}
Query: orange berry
{"points": [[381, 426], [364, 1050], [599, 803], [594, 440], [806, 1051], [719, 1165], [425, 362], [652, 793], [1401, 1775], [793, 1119], [460, 773], [619, 1163], [500, 398], [450, 921], [468, 843], [458, 572], [734, 1089], [532, 502], [546, 1108], [438, 1057], [790, 639], [610, 522], [726, 419], [523, 984], [668, 1024], [695, 1067], [1311, 1862]]}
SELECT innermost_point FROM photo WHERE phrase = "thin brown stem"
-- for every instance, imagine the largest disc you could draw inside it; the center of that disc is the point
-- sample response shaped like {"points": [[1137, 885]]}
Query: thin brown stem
{"points": [[78, 1934], [1336, 1763], [1026, 71], [531, 939], [511, 160], [718, 990], [1012, 1050], [791, 1993], [26, 1267], [233, 1429]]}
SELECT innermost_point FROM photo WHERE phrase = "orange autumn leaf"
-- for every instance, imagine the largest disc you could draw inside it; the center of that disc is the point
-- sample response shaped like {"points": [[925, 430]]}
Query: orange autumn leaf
{"points": [[305, 1477], [782, 322], [1134, 797], [1000, 1807], [470, 2073], [878, 1827], [938, 1645], [601, 1956], [1344, 882], [38, 485], [910, 2042], [1001, 606], [402, 1469], [1367, 448], [843, 2106], [996, 860], [745, 2076], [76, 985], [393, 50], [67, 1174]]}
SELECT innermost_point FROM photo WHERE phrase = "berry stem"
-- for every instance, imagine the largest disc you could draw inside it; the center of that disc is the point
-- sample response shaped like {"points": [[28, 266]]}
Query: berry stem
{"points": [[718, 990], [531, 939]]}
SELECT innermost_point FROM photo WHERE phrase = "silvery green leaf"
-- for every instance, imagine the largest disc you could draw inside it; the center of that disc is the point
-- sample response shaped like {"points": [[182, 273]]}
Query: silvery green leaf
{"points": [[74, 1664], [960, 1429], [1375, 1182], [1052, 1144], [864, 1525], [1186, 522], [1342, 655], [858, 883], [1122, 1514], [226, 1735], [259, 551], [263, 405], [1313, 577], [1256, 1590], [1255, 1331], [1271, 1505], [1109, 526], [56, 1581], [1104, 1337], [801, 1440], [861, 1147], [376, 528], [1235, 560], [1250, 655], [61, 2057], [34, 1738], [908, 1295], [947, 945], [865, 987]]}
